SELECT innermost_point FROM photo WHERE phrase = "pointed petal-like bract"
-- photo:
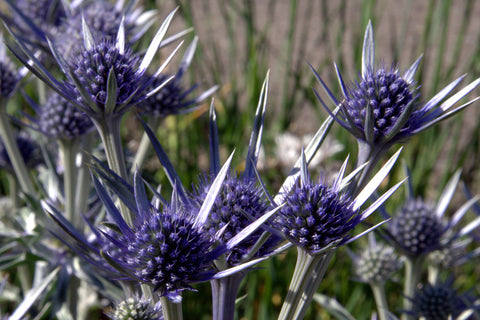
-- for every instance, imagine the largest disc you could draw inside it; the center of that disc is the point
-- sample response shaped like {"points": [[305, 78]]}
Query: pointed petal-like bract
{"points": [[213, 141], [368, 52]]}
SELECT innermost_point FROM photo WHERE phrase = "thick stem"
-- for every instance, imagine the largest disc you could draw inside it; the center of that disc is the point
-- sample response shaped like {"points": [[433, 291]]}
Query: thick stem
{"points": [[224, 294], [68, 149], [171, 311], [16, 159], [412, 278], [433, 272], [373, 156], [109, 131], [308, 273], [144, 146], [380, 300]]}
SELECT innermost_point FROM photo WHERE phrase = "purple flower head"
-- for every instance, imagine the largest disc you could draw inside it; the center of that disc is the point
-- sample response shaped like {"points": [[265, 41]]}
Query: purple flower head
{"points": [[173, 98], [419, 227], [105, 79], [382, 108], [318, 216], [238, 203], [438, 301], [58, 118], [28, 149]]}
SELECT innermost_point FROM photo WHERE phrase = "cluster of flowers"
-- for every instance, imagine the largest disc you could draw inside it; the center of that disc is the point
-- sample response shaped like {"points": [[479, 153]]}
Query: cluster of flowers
{"points": [[147, 249]]}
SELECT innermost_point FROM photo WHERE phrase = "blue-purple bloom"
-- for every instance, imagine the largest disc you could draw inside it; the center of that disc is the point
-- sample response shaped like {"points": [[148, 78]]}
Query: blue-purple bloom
{"points": [[29, 151], [135, 308], [318, 216], [419, 226], [382, 107]]}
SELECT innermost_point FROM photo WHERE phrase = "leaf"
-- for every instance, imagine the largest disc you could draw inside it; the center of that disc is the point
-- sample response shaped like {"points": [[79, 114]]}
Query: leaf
{"points": [[333, 306]]}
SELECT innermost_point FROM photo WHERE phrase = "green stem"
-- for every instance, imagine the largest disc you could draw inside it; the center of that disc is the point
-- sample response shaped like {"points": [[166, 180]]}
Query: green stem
{"points": [[13, 190], [412, 278], [68, 149], [308, 273], [110, 134], [380, 300], [224, 294], [83, 180], [144, 146], [373, 156], [171, 311], [18, 163], [433, 272]]}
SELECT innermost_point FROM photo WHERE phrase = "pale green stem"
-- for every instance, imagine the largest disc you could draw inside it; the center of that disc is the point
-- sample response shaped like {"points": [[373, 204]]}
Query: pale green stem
{"points": [[312, 285], [171, 311], [83, 180], [224, 294], [72, 296], [412, 278], [308, 273], [14, 154], [13, 190], [68, 149], [24, 274], [373, 156], [144, 146], [433, 272], [110, 134], [380, 300]]}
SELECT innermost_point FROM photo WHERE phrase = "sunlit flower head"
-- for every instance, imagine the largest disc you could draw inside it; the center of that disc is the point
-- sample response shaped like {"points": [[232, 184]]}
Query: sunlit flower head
{"points": [[135, 308], [318, 216], [383, 106]]}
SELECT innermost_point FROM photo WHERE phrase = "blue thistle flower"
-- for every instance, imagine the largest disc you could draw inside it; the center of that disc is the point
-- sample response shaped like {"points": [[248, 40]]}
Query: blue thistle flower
{"points": [[438, 301], [419, 226], [105, 79], [173, 98], [29, 151], [58, 118], [317, 216], [376, 264], [135, 308], [382, 107]]}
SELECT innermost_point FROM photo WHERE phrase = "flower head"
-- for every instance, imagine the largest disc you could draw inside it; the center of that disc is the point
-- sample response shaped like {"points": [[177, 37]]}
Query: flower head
{"points": [[377, 263], [439, 301], [28, 149], [58, 118], [317, 216], [135, 308], [419, 226], [173, 98], [105, 78], [382, 107]]}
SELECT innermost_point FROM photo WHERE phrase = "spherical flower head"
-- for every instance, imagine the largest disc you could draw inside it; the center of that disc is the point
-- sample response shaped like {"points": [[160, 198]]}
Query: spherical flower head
{"points": [[165, 250], [169, 100], [60, 119], [377, 264], [28, 149], [136, 309], [387, 94], [93, 66], [448, 255], [9, 78], [44, 14], [416, 228], [315, 216], [238, 200], [438, 301]]}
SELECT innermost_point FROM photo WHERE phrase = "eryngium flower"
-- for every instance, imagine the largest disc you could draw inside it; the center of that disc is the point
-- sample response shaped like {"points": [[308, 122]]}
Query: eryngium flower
{"points": [[376, 264], [381, 108], [28, 149], [136, 309], [105, 79], [419, 226], [58, 118], [173, 98], [9, 75], [439, 301], [238, 203], [317, 216], [416, 228]]}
